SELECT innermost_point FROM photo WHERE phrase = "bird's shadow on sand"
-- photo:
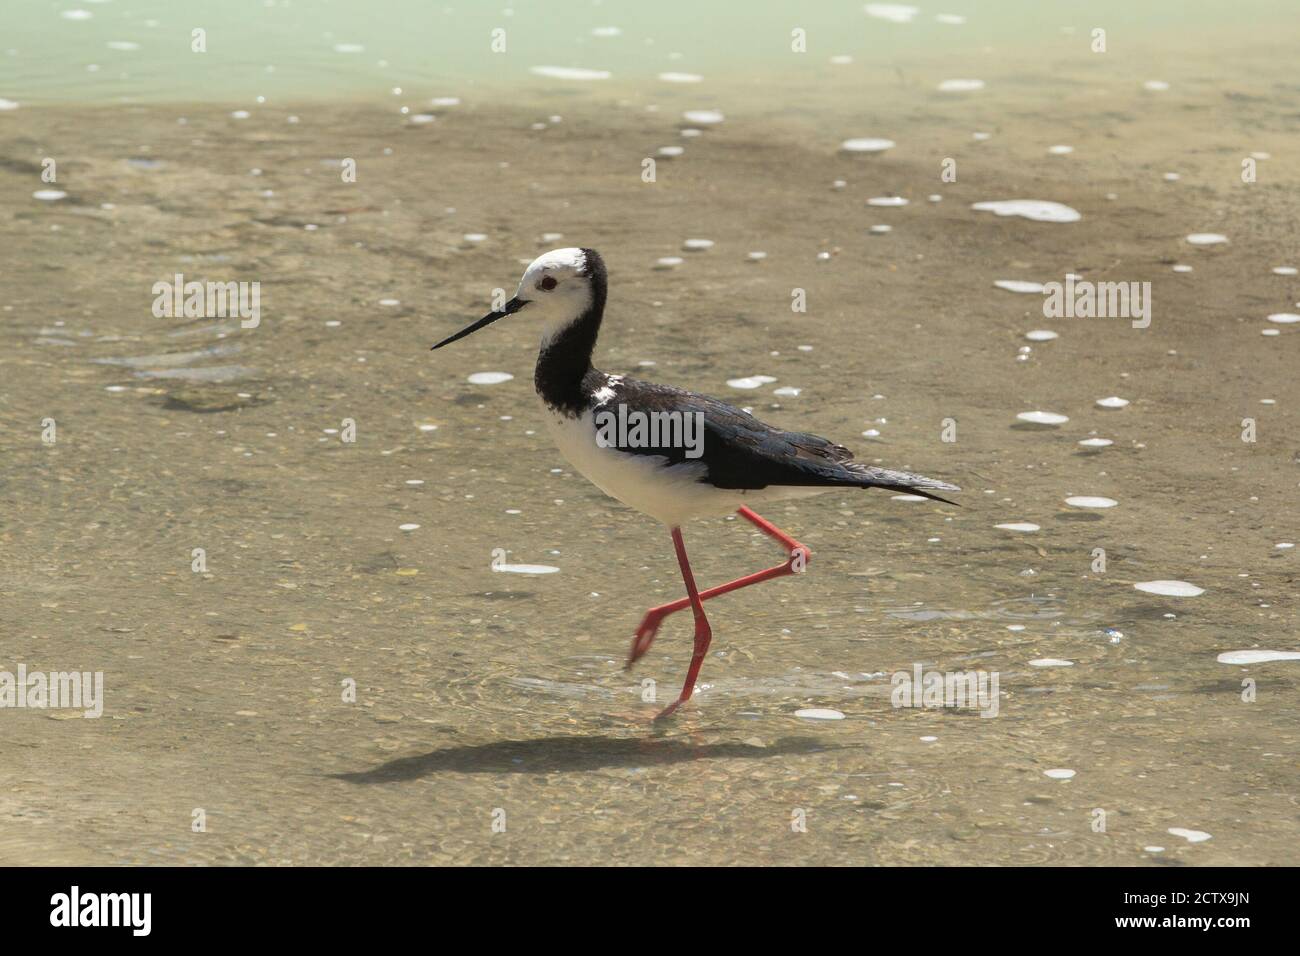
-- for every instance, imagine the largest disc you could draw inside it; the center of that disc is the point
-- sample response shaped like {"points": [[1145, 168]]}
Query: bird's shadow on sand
{"points": [[551, 754]]}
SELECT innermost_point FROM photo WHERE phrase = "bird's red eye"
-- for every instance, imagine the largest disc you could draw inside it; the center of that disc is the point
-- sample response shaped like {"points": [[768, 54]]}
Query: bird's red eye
{"points": [[547, 284]]}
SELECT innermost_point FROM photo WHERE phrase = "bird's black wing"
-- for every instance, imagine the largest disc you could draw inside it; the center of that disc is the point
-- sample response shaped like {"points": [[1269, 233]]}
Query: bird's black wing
{"points": [[742, 452]]}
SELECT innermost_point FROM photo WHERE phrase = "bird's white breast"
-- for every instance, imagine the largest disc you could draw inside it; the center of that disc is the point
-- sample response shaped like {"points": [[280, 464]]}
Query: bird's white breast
{"points": [[670, 493]]}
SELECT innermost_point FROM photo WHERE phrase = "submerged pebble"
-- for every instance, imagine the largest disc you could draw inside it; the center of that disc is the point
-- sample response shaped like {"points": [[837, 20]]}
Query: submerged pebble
{"points": [[750, 381], [1169, 588], [893, 12], [1020, 285], [1257, 657], [819, 713], [866, 145], [569, 73], [525, 568], [489, 378], [1043, 418], [703, 117], [1039, 210]]}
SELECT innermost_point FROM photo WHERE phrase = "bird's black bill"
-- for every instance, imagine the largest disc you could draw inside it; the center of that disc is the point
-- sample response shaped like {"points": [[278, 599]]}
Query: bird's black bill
{"points": [[514, 305]]}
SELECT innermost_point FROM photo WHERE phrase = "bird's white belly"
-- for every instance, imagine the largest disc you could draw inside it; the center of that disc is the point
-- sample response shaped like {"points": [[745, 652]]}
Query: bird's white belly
{"points": [[670, 493]]}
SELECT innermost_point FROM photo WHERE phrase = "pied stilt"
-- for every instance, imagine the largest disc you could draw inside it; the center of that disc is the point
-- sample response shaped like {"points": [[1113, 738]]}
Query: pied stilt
{"points": [[667, 452]]}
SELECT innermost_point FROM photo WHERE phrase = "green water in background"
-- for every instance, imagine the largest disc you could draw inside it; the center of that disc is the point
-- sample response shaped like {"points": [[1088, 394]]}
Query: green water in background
{"points": [[284, 50]]}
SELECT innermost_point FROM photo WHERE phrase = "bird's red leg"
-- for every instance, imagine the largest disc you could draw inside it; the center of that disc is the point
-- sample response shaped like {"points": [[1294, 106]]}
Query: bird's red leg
{"points": [[798, 560], [703, 633]]}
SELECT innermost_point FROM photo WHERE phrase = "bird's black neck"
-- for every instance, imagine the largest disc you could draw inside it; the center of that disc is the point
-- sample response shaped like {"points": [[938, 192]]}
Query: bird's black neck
{"points": [[565, 358]]}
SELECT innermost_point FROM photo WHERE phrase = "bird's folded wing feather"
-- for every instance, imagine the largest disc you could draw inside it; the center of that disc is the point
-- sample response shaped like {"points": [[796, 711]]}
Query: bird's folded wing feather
{"points": [[744, 453]]}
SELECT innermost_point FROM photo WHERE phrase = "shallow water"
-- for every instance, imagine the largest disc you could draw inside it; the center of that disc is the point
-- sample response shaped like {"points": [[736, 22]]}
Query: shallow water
{"points": [[485, 696]]}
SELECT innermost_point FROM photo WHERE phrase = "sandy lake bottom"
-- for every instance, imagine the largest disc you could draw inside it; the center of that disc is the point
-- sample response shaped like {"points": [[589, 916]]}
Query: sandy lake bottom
{"points": [[488, 701]]}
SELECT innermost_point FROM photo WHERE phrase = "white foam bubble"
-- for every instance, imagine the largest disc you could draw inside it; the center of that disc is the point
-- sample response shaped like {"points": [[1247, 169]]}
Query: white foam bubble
{"points": [[1169, 588], [866, 144], [8, 104], [1043, 418], [681, 77], [349, 48], [1155, 86], [606, 31], [1039, 210], [408, 527], [886, 201], [671, 151], [49, 195], [960, 86], [1050, 662], [569, 73], [1090, 501], [1060, 150], [668, 262], [1018, 526], [1114, 401], [1277, 270], [1284, 318], [1041, 335], [1257, 657], [1019, 285], [697, 245], [787, 391], [123, 45], [1206, 238], [1096, 442], [1191, 836], [908, 498], [489, 378], [76, 14], [525, 568], [1060, 773]]}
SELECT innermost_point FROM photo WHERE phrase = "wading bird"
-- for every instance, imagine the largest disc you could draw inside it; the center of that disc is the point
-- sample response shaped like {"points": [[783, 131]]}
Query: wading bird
{"points": [[740, 460]]}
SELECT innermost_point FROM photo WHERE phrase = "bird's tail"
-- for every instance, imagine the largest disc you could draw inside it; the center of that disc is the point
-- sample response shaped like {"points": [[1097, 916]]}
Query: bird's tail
{"points": [[868, 476]]}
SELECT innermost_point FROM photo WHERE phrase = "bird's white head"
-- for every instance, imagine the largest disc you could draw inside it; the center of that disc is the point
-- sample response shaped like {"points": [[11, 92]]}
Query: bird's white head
{"points": [[559, 287]]}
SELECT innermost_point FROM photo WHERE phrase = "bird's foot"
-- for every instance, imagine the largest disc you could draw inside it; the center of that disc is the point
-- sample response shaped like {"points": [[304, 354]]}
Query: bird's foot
{"points": [[670, 709], [645, 634]]}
